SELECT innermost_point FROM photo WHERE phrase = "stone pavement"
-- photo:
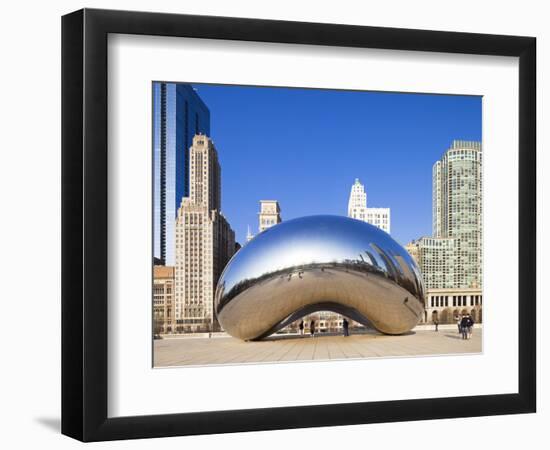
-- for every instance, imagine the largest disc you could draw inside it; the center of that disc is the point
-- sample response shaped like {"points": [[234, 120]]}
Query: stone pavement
{"points": [[283, 348]]}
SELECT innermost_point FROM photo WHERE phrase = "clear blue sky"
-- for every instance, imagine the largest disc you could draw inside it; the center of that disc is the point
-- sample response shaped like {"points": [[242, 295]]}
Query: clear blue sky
{"points": [[305, 147]]}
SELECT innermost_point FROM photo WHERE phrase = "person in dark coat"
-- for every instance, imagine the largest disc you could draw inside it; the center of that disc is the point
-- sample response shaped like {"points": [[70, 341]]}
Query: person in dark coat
{"points": [[464, 327], [436, 323], [312, 328], [301, 326], [345, 325]]}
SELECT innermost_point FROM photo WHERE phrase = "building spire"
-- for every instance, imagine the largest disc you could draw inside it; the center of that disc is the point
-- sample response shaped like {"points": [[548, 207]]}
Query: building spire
{"points": [[249, 234]]}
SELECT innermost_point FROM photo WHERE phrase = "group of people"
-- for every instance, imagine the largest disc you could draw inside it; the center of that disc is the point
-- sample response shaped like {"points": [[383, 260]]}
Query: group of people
{"points": [[465, 325], [345, 326]]}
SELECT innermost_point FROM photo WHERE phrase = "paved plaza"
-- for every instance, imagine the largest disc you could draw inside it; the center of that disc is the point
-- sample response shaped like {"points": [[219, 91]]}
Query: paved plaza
{"points": [[175, 351]]}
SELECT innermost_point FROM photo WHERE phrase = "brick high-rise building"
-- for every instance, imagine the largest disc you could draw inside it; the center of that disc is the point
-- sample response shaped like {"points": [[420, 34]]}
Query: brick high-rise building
{"points": [[204, 241]]}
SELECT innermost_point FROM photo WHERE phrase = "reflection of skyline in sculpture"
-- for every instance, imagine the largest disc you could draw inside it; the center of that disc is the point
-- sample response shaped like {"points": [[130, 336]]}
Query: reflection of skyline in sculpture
{"points": [[319, 263]]}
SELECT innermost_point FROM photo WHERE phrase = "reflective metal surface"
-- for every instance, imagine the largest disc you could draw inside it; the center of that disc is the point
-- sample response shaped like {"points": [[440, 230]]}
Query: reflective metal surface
{"points": [[319, 263]]}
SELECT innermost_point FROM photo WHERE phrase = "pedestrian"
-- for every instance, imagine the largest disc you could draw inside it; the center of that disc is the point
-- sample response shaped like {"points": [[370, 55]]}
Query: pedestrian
{"points": [[470, 326], [458, 320], [464, 326], [436, 323], [301, 326], [312, 328], [345, 324]]}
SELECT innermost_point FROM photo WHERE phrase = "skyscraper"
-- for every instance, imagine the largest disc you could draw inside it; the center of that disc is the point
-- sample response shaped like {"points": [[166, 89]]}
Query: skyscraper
{"points": [[204, 240], [357, 208], [178, 115], [457, 208], [452, 258], [269, 215]]}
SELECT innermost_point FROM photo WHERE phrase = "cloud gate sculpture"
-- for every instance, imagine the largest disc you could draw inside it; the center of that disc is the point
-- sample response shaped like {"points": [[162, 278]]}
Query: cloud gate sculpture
{"points": [[319, 263]]}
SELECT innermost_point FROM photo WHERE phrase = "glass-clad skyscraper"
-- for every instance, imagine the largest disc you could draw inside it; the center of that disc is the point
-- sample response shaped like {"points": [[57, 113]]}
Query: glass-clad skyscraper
{"points": [[178, 115], [457, 208], [453, 257]]}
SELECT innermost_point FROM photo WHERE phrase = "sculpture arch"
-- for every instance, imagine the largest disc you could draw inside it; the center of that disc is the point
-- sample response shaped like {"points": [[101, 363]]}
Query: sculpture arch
{"points": [[314, 264]]}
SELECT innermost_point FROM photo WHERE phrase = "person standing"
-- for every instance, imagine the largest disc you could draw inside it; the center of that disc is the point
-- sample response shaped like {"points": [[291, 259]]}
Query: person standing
{"points": [[301, 326], [436, 323], [458, 321], [464, 327], [470, 326], [345, 325], [312, 328]]}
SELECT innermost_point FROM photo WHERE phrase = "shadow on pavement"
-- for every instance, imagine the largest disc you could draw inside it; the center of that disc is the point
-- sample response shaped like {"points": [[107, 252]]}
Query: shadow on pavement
{"points": [[454, 336], [284, 337]]}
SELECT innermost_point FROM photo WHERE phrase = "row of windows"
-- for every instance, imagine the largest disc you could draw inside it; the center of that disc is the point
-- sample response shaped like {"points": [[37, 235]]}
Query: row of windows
{"points": [[159, 313], [268, 221], [161, 290], [457, 300]]}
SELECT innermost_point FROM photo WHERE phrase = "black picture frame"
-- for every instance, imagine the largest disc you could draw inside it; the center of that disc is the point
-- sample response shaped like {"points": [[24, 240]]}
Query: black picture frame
{"points": [[84, 224]]}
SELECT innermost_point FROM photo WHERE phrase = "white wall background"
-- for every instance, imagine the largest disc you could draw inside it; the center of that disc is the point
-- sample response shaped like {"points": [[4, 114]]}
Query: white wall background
{"points": [[30, 221]]}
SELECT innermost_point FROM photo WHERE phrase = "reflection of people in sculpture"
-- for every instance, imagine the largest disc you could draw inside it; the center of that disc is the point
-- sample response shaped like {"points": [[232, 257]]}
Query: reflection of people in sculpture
{"points": [[345, 324], [301, 326], [312, 328]]}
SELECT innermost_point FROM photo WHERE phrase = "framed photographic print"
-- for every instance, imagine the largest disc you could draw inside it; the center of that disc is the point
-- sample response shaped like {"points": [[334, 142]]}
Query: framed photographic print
{"points": [[273, 224]]}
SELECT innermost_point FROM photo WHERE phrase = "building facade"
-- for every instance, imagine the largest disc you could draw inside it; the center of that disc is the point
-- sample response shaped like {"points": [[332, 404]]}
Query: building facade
{"points": [[448, 305], [457, 204], [204, 241], [436, 258], [163, 300], [269, 215], [178, 115], [451, 261], [357, 209]]}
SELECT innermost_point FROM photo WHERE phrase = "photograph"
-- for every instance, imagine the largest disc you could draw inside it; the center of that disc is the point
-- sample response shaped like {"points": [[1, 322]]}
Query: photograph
{"points": [[266, 225], [304, 224]]}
